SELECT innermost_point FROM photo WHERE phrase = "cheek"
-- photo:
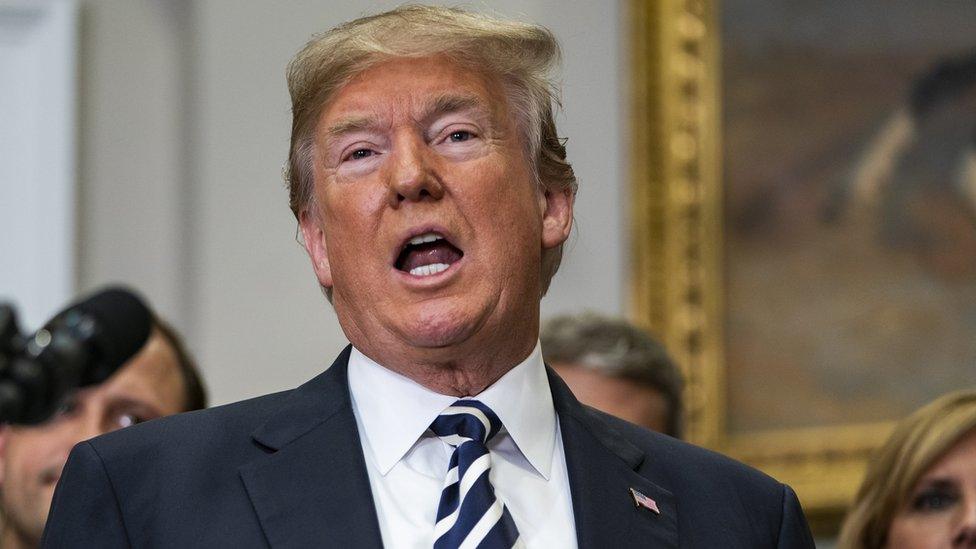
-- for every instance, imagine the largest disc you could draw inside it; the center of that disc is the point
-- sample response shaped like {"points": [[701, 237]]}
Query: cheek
{"points": [[508, 206], [351, 214], [24, 457], [354, 197], [919, 531]]}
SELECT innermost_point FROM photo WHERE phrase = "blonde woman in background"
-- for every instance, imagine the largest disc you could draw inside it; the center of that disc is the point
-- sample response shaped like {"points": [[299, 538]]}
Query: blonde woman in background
{"points": [[920, 490]]}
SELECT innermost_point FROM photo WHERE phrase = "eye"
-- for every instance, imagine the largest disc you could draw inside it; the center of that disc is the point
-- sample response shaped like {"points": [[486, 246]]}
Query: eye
{"points": [[460, 136], [936, 499], [127, 420], [360, 154]]}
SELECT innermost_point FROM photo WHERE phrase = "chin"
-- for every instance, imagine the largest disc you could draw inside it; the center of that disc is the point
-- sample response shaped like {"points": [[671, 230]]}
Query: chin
{"points": [[440, 327]]}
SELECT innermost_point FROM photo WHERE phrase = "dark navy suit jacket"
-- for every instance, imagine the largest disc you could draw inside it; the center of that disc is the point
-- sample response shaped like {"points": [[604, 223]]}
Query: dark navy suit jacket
{"points": [[287, 470]]}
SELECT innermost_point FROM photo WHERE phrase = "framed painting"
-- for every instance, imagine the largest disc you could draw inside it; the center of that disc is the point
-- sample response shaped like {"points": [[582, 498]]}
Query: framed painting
{"points": [[804, 221]]}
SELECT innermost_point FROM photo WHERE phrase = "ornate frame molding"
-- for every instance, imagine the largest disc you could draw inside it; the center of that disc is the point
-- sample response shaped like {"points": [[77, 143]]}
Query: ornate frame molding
{"points": [[676, 286]]}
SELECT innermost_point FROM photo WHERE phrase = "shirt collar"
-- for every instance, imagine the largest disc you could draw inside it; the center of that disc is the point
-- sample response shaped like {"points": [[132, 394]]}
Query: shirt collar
{"points": [[395, 411]]}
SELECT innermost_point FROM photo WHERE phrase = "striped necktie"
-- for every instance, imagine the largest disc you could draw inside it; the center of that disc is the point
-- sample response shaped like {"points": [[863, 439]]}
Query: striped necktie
{"points": [[469, 514]]}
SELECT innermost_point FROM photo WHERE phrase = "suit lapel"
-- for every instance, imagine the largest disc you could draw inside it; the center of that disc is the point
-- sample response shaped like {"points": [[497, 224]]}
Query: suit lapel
{"points": [[602, 467], [312, 487]]}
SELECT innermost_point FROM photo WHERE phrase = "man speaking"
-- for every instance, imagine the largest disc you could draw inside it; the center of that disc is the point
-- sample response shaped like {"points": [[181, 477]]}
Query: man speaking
{"points": [[434, 196]]}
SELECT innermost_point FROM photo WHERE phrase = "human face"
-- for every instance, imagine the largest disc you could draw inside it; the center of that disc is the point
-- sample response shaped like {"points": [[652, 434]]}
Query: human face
{"points": [[618, 397], [424, 147], [150, 385], [941, 511]]}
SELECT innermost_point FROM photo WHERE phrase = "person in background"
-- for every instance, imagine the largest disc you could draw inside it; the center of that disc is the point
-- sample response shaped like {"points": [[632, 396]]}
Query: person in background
{"points": [[616, 367], [160, 380], [920, 488]]}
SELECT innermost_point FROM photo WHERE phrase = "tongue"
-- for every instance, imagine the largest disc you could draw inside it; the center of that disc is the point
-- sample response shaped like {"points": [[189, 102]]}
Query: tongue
{"points": [[428, 254]]}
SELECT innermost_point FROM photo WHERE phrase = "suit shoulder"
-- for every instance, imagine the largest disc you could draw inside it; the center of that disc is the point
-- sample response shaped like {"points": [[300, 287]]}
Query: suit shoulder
{"points": [[714, 493], [677, 461]]}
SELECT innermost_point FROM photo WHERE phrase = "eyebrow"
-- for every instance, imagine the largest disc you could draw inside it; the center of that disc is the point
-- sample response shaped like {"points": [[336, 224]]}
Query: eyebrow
{"points": [[450, 103], [937, 482], [433, 108], [350, 125]]}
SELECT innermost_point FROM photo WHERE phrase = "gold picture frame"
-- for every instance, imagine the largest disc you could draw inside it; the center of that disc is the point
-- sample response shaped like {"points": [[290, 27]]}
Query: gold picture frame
{"points": [[676, 286]]}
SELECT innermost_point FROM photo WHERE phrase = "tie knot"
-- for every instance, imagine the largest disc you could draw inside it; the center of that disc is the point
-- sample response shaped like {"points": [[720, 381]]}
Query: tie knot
{"points": [[466, 420]]}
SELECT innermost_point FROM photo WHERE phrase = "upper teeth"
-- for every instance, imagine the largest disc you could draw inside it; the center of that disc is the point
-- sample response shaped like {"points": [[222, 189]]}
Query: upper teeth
{"points": [[426, 237]]}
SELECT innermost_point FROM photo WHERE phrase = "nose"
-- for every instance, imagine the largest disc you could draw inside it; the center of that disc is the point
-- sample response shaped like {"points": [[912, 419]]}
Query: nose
{"points": [[966, 536], [413, 176]]}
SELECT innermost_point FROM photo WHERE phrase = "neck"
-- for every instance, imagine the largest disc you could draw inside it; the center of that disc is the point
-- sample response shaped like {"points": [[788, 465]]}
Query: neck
{"points": [[461, 378], [12, 538], [452, 346], [461, 369]]}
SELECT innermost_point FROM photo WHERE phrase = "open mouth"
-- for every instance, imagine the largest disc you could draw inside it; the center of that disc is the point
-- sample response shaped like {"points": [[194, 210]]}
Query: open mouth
{"points": [[427, 254]]}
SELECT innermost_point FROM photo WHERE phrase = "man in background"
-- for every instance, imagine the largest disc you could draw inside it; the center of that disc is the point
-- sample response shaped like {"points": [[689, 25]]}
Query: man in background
{"points": [[160, 380], [616, 367]]}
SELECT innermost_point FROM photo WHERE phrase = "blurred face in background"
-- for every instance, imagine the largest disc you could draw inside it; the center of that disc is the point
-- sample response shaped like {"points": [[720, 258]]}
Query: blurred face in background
{"points": [[941, 510], [150, 385], [620, 397]]}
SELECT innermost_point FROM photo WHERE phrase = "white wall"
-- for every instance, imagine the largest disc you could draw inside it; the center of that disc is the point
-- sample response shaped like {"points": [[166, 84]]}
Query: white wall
{"points": [[37, 154], [131, 163], [184, 130]]}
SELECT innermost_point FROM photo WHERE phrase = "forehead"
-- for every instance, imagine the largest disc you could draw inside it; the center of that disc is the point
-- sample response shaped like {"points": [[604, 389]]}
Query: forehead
{"points": [[961, 458], [152, 376], [403, 86]]}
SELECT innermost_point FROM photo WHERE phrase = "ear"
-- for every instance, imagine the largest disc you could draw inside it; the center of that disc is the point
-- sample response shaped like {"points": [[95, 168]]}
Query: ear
{"points": [[318, 252], [557, 216]]}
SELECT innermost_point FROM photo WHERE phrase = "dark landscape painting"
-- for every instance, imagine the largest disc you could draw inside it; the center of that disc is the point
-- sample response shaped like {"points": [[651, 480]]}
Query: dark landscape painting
{"points": [[850, 208]]}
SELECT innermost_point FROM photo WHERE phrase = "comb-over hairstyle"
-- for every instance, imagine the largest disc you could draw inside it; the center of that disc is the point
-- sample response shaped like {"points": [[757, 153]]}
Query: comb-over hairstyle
{"points": [[520, 56]]}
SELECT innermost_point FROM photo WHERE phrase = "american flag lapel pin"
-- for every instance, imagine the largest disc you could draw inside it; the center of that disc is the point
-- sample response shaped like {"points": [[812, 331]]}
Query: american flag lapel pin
{"points": [[640, 500]]}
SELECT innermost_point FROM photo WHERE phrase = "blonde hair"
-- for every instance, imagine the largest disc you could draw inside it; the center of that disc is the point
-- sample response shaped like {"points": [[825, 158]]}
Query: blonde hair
{"points": [[520, 55], [916, 443]]}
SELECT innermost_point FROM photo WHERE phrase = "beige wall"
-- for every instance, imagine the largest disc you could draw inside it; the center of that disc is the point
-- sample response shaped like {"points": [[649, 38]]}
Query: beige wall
{"points": [[184, 121]]}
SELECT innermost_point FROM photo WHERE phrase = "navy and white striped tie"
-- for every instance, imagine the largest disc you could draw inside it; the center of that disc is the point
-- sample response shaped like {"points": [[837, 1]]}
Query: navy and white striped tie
{"points": [[469, 514]]}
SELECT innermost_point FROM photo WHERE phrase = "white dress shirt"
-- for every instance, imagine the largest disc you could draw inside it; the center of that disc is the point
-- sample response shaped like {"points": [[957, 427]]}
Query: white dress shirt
{"points": [[407, 463]]}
